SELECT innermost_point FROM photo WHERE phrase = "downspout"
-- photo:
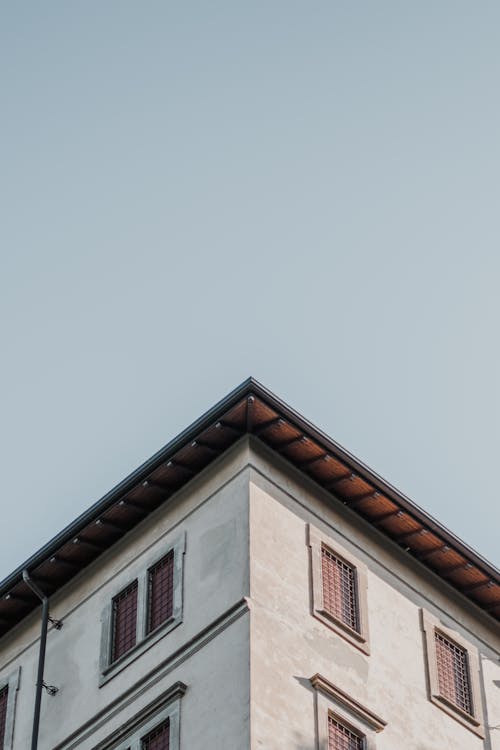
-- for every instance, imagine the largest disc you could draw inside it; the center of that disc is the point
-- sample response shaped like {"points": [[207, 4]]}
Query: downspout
{"points": [[41, 656]]}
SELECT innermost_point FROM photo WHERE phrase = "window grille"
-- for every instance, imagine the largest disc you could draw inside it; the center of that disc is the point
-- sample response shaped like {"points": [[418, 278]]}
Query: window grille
{"points": [[161, 591], [4, 695], [339, 589], [453, 672], [342, 738], [158, 739], [124, 621]]}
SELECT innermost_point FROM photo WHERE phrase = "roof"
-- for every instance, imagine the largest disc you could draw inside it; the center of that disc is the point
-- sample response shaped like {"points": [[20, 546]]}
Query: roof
{"points": [[251, 409]]}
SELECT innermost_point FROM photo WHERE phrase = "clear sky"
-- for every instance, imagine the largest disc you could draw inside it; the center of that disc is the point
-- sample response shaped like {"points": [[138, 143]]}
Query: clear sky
{"points": [[191, 193]]}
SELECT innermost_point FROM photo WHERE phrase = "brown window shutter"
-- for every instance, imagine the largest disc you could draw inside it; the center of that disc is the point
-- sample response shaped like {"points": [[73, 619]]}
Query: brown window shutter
{"points": [[341, 737], [124, 620], [453, 672], [161, 591], [158, 739], [340, 597], [4, 696]]}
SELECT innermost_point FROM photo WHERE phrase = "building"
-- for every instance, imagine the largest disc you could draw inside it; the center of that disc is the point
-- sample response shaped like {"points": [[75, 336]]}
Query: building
{"points": [[253, 585]]}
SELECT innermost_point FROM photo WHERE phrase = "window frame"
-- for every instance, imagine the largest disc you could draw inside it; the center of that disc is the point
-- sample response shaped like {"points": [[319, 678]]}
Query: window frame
{"points": [[317, 540], [331, 715], [12, 682], [130, 735], [149, 604], [144, 639], [114, 613], [430, 626], [332, 701]]}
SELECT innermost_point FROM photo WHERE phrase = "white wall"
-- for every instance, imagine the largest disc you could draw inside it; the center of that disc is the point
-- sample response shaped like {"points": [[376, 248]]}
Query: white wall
{"points": [[213, 513]]}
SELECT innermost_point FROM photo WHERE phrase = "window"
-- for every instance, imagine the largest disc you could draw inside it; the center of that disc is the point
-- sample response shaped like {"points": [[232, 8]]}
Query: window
{"points": [[156, 727], [4, 696], [158, 739], [339, 590], [8, 693], [342, 738], [161, 591], [343, 722], [144, 610], [453, 674], [340, 597], [124, 621]]}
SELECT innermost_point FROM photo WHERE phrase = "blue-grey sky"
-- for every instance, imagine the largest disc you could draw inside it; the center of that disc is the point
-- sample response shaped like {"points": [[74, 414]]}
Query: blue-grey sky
{"points": [[195, 192]]}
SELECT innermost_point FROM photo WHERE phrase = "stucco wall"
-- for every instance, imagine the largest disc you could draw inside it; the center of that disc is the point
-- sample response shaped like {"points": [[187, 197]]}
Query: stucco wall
{"points": [[289, 645], [248, 642], [215, 707], [213, 514]]}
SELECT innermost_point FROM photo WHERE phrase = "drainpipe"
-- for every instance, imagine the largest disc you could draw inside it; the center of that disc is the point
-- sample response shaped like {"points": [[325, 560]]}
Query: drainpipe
{"points": [[41, 656]]}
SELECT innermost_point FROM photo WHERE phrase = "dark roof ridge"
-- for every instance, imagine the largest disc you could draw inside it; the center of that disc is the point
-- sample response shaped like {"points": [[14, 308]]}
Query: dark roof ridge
{"points": [[95, 510], [252, 409]]}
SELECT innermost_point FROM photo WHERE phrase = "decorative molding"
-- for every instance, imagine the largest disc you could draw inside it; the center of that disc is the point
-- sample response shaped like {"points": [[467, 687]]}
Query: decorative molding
{"points": [[154, 676], [332, 691], [165, 706]]}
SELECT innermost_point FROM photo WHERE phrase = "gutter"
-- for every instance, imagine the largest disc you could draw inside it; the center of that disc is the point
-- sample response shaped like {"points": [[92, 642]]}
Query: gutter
{"points": [[249, 388], [41, 657]]}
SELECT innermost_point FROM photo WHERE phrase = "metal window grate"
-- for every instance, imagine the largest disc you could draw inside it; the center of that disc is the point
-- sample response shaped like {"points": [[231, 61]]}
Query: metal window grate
{"points": [[161, 591], [4, 696], [339, 589], [124, 620], [453, 672], [342, 738], [158, 739]]}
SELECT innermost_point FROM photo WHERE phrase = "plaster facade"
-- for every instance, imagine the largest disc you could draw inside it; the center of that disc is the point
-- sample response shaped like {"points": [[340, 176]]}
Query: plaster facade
{"points": [[208, 651], [289, 645], [247, 663]]}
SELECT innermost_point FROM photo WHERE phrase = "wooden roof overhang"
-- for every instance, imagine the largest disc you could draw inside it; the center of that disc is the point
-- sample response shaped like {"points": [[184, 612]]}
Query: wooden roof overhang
{"points": [[251, 409]]}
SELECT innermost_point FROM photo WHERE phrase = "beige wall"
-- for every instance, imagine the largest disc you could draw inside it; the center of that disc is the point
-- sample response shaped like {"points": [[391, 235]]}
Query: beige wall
{"points": [[289, 645]]}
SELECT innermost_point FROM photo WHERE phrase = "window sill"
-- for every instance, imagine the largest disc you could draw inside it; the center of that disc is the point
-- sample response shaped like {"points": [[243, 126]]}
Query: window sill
{"points": [[457, 713], [140, 648], [349, 634]]}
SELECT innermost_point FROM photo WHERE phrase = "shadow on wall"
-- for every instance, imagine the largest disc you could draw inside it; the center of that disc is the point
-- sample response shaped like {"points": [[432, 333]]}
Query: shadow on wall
{"points": [[300, 744]]}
